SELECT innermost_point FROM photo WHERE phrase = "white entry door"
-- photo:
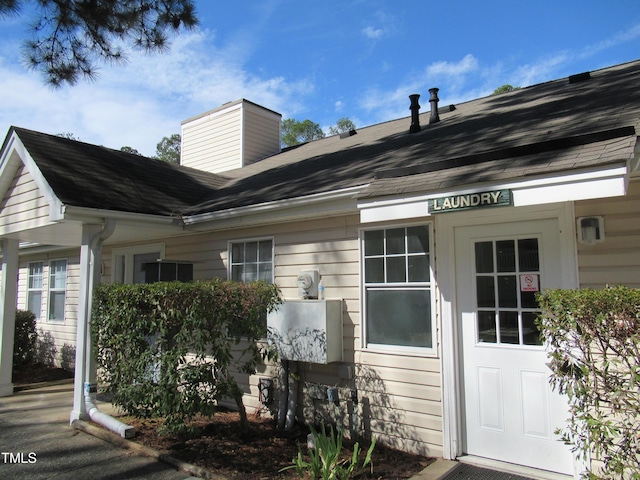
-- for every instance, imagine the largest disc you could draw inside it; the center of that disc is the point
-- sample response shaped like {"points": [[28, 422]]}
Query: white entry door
{"points": [[510, 411]]}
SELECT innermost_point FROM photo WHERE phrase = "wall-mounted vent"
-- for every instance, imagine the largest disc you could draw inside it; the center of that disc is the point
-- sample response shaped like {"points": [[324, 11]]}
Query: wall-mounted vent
{"points": [[579, 77]]}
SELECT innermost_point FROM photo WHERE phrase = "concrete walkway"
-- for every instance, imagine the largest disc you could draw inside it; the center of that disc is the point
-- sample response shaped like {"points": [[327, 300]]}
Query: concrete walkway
{"points": [[36, 442]]}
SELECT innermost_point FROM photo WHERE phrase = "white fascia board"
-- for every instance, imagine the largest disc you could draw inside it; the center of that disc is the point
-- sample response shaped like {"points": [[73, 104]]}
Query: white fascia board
{"points": [[394, 211], [337, 201], [95, 215], [589, 184]]}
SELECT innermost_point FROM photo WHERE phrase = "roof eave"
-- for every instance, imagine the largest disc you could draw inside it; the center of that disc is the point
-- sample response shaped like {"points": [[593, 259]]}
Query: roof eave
{"points": [[326, 204]]}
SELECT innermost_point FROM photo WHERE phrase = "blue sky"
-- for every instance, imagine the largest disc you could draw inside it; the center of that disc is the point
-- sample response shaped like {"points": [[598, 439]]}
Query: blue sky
{"points": [[321, 61]]}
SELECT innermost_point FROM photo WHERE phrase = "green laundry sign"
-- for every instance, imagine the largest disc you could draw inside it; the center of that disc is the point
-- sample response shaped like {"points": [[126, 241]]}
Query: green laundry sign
{"points": [[454, 203]]}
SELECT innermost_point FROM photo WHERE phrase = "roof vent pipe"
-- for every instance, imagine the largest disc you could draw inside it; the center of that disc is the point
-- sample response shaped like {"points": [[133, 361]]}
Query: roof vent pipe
{"points": [[415, 113], [433, 100]]}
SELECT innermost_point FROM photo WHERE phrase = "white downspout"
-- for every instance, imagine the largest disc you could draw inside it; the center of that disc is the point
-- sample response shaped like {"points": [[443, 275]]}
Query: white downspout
{"points": [[93, 237]]}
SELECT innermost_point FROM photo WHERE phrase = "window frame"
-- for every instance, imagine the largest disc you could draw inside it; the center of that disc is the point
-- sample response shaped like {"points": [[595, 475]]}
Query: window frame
{"points": [[429, 286], [244, 241], [52, 290], [122, 260], [31, 289]]}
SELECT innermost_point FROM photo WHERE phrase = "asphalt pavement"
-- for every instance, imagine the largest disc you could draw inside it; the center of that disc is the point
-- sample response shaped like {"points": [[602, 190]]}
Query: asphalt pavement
{"points": [[36, 442]]}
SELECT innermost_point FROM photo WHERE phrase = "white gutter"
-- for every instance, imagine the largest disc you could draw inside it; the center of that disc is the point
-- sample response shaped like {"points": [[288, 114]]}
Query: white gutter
{"points": [[278, 205]]}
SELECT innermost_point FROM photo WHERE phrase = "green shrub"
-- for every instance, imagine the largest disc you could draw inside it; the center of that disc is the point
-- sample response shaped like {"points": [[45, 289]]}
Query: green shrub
{"points": [[594, 340], [46, 350], [170, 349], [24, 343], [327, 460]]}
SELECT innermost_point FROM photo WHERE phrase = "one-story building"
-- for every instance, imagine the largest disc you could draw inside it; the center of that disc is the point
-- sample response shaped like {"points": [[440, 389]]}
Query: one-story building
{"points": [[431, 233]]}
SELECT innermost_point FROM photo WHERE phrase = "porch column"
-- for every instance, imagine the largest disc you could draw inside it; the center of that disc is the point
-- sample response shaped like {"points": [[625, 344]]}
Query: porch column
{"points": [[8, 291], [93, 237]]}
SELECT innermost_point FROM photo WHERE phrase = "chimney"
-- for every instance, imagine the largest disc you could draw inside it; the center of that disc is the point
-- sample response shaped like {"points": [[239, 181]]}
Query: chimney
{"points": [[433, 100], [232, 136], [415, 113]]}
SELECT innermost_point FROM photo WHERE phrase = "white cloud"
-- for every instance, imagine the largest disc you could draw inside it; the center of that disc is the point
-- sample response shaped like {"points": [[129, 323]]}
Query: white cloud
{"points": [[138, 103], [466, 65], [372, 33]]}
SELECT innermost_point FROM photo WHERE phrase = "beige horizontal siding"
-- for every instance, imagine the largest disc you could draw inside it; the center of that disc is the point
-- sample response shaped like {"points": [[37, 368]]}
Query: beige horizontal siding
{"points": [[616, 261], [399, 395], [262, 135], [213, 144], [24, 206]]}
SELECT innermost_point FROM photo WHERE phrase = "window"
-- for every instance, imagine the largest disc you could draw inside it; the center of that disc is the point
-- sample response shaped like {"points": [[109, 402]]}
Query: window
{"points": [[34, 288], [251, 261], [507, 277], [397, 288], [57, 290]]}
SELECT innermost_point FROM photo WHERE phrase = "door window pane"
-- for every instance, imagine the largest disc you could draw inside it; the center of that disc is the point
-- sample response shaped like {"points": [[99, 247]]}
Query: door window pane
{"points": [[528, 255], [528, 300], [484, 257], [487, 327], [530, 332], [506, 255], [507, 291], [486, 294], [509, 332]]}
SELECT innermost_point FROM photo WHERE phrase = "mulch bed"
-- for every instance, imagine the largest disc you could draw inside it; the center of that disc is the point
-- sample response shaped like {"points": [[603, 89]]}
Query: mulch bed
{"points": [[262, 452], [220, 446]]}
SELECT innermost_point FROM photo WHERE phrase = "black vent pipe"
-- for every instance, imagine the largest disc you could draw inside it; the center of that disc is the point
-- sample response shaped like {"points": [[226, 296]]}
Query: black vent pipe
{"points": [[433, 100], [415, 113]]}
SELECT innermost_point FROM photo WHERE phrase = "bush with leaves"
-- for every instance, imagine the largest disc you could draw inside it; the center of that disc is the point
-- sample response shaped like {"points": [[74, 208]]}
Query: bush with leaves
{"points": [[24, 342], [594, 339], [170, 349]]}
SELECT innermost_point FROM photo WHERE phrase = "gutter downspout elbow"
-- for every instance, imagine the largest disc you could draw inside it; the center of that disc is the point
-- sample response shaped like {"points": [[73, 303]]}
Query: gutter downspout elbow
{"points": [[107, 421]]}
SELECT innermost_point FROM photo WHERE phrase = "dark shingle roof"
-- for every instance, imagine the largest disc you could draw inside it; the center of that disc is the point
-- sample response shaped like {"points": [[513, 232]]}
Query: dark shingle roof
{"points": [[546, 128], [543, 129], [91, 176]]}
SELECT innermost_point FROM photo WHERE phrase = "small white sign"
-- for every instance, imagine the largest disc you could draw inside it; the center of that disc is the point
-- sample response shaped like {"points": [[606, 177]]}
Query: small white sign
{"points": [[529, 282]]}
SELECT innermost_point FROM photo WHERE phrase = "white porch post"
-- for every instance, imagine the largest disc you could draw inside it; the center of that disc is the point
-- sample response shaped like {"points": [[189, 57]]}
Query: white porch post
{"points": [[90, 260], [8, 291]]}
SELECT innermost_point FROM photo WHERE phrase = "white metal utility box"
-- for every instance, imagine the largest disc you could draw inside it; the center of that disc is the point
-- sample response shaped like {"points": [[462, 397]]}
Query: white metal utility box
{"points": [[307, 330]]}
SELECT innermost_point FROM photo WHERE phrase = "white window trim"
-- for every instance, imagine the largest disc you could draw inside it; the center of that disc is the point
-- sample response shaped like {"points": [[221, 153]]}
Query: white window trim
{"points": [[128, 254], [256, 239], [399, 349], [51, 290], [41, 289]]}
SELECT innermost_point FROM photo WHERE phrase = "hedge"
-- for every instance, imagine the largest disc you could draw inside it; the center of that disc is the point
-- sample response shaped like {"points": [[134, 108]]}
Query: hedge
{"points": [[594, 340], [167, 349]]}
